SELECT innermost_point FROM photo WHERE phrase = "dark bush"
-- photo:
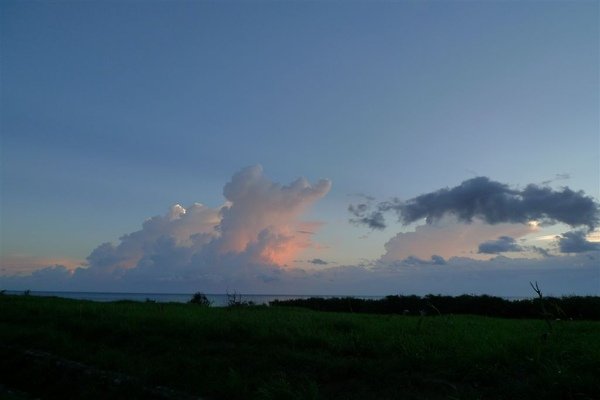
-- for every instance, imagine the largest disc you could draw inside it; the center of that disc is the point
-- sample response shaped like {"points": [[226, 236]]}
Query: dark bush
{"points": [[200, 299], [575, 307], [235, 300]]}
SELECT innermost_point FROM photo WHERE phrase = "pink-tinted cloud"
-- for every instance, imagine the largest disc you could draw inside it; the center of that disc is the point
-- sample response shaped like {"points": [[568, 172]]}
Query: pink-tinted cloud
{"points": [[21, 264], [265, 214], [259, 224], [449, 238]]}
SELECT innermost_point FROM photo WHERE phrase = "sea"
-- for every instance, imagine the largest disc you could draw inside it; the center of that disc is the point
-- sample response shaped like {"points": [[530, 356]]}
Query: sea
{"points": [[217, 300]]}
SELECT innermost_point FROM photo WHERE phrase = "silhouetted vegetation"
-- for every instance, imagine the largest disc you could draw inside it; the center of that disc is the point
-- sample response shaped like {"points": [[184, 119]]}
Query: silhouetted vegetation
{"points": [[235, 300], [575, 307], [200, 299]]}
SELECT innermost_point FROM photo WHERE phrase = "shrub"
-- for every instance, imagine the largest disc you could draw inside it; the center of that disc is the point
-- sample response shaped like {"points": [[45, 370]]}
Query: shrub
{"points": [[235, 300], [200, 299]]}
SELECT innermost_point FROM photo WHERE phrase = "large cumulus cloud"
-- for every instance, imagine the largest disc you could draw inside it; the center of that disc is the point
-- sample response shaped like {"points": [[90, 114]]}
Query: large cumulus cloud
{"points": [[266, 214], [257, 231], [192, 227]]}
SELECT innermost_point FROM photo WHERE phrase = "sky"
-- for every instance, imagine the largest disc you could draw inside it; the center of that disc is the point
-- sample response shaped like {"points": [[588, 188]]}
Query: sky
{"points": [[318, 147]]}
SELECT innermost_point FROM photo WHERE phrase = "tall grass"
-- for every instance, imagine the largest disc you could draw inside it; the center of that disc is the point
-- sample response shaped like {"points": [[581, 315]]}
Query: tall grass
{"points": [[276, 352]]}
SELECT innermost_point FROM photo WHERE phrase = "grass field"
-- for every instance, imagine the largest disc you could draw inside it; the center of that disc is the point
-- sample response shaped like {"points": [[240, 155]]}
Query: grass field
{"points": [[59, 348]]}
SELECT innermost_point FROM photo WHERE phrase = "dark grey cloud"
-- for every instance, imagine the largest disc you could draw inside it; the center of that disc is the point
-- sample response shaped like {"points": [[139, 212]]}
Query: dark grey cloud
{"points": [[541, 251], [318, 261], [501, 245], [491, 201], [576, 242], [373, 219], [416, 261]]}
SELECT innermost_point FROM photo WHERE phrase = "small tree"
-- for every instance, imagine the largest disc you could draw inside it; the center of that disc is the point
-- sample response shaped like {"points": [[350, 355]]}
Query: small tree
{"points": [[235, 300], [545, 314], [200, 299]]}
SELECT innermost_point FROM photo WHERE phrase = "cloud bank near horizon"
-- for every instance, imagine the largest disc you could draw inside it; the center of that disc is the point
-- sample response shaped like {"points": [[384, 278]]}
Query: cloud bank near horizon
{"points": [[576, 274]]}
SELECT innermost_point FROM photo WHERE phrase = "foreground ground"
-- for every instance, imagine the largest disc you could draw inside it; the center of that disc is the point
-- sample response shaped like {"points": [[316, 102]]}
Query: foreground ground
{"points": [[59, 348]]}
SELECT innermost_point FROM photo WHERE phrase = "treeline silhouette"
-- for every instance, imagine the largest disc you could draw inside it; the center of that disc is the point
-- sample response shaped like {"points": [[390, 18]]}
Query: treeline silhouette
{"points": [[571, 307]]}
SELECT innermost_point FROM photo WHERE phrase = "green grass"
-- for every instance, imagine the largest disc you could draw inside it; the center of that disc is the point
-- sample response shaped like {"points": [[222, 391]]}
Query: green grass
{"points": [[288, 353]]}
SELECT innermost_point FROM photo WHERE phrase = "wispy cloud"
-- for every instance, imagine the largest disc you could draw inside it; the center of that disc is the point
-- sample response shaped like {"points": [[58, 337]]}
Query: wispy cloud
{"points": [[318, 261], [557, 177]]}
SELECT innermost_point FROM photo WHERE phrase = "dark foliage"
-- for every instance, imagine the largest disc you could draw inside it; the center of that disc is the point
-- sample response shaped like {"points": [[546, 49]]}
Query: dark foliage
{"points": [[200, 299], [575, 307], [235, 300]]}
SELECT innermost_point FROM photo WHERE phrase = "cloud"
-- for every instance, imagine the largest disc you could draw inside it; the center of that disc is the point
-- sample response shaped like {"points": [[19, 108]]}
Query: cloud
{"points": [[448, 237], [258, 206], [318, 261], [26, 264], [374, 219], [192, 227], [541, 251], [257, 231], [416, 261], [576, 242], [557, 177], [560, 275], [260, 219], [491, 201], [503, 244], [244, 244]]}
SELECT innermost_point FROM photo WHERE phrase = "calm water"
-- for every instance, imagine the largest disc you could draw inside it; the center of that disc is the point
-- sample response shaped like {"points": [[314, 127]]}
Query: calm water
{"points": [[218, 300]]}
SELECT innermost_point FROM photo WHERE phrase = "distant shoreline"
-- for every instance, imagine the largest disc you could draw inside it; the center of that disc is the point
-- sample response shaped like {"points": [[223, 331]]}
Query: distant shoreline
{"points": [[218, 299], [548, 307]]}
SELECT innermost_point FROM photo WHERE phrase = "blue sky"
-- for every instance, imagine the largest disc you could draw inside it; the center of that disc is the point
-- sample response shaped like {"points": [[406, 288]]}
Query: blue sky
{"points": [[113, 112]]}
